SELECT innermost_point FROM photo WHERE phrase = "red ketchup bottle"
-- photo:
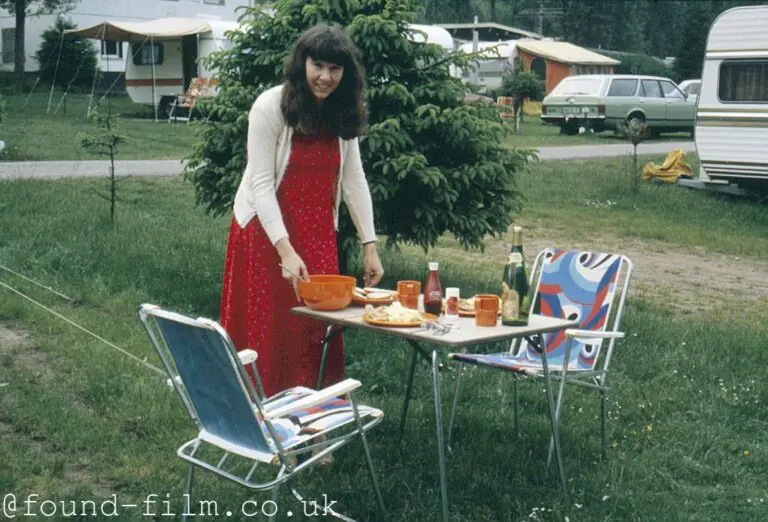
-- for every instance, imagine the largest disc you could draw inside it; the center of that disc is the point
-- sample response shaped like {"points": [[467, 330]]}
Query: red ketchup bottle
{"points": [[433, 292]]}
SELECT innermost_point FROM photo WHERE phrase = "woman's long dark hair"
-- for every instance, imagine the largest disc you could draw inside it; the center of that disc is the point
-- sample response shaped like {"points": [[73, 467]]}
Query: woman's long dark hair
{"points": [[343, 113]]}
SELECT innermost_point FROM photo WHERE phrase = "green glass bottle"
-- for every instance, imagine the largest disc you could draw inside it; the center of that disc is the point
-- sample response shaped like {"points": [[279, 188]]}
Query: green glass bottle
{"points": [[515, 303]]}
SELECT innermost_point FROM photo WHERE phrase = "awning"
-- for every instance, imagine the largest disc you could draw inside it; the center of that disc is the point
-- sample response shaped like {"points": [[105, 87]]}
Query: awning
{"points": [[161, 28]]}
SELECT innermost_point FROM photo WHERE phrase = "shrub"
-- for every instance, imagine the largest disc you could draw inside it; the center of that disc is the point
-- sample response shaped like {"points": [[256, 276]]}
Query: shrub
{"points": [[632, 63], [68, 61], [521, 85]]}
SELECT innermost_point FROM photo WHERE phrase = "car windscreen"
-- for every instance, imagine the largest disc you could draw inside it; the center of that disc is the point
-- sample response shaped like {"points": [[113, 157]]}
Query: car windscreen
{"points": [[578, 86]]}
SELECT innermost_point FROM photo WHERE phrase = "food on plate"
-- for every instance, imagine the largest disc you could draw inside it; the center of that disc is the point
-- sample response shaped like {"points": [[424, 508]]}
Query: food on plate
{"points": [[467, 305], [394, 313], [373, 293]]}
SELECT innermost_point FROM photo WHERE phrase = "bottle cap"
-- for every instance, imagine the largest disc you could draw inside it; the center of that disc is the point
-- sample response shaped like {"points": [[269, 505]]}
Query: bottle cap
{"points": [[433, 265], [451, 292]]}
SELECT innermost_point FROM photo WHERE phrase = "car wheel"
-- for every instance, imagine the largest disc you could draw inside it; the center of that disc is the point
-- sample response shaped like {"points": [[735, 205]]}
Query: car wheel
{"points": [[635, 119], [570, 128]]}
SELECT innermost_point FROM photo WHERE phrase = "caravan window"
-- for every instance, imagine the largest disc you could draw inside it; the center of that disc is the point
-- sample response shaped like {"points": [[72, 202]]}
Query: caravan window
{"points": [[744, 81], [144, 52], [111, 48]]}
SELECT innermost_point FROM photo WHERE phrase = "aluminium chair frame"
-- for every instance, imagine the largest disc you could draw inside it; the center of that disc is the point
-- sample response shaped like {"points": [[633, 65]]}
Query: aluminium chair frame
{"points": [[594, 378], [287, 458]]}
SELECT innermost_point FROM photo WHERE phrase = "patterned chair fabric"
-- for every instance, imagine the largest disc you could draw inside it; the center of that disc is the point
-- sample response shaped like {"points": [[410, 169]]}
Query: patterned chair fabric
{"points": [[573, 285]]}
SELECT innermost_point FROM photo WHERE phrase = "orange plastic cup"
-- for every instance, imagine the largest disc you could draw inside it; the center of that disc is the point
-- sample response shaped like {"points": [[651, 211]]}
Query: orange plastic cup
{"points": [[408, 293], [486, 309]]}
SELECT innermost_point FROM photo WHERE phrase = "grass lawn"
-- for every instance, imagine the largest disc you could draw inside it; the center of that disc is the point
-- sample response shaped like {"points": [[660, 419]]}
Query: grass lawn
{"points": [[534, 134], [33, 131], [41, 127], [688, 439]]}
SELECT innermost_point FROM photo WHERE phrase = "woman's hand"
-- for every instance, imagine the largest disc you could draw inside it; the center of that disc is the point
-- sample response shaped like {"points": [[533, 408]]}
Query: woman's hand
{"points": [[293, 266], [373, 271]]}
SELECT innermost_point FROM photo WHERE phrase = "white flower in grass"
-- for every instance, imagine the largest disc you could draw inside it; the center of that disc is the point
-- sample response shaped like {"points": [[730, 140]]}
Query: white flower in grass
{"points": [[606, 497]]}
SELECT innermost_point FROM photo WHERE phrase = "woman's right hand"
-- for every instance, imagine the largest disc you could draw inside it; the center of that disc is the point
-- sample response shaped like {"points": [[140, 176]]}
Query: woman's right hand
{"points": [[293, 270]]}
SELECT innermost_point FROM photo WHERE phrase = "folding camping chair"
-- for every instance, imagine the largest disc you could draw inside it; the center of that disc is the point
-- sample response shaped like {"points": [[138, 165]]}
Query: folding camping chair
{"points": [[571, 285], [239, 428], [183, 105]]}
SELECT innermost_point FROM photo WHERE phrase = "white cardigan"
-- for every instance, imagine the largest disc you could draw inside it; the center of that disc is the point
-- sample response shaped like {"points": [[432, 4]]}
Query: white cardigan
{"points": [[269, 148]]}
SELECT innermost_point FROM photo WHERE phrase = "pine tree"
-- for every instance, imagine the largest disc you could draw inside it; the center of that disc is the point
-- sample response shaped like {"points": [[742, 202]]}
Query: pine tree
{"points": [[65, 61], [434, 164], [690, 58]]}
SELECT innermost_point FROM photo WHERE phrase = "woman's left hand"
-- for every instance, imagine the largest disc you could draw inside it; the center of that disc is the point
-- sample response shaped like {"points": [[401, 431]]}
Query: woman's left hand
{"points": [[373, 271]]}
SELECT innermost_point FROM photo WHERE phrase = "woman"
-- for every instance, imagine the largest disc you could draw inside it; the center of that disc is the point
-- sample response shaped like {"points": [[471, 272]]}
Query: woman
{"points": [[303, 156]]}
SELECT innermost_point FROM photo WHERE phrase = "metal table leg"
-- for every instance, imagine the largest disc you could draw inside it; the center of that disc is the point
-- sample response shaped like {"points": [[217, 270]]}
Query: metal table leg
{"points": [[408, 390], [440, 441], [330, 334], [553, 414]]}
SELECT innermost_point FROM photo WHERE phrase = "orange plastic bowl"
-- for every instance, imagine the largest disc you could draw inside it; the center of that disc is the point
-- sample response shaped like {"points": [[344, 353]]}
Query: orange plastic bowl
{"points": [[327, 292]]}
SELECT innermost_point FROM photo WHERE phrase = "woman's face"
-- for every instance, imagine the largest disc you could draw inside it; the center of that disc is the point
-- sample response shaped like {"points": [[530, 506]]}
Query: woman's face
{"points": [[323, 77]]}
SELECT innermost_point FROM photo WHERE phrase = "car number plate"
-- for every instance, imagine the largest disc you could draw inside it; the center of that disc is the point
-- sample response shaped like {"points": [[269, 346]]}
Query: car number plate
{"points": [[575, 110]]}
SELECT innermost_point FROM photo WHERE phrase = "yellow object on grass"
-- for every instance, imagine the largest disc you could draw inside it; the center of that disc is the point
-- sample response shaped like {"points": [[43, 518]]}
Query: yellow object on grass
{"points": [[673, 167]]}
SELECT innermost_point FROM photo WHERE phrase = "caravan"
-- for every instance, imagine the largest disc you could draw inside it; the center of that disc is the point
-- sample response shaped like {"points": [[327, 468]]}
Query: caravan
{"points": [[732, 116], [163, 55]]}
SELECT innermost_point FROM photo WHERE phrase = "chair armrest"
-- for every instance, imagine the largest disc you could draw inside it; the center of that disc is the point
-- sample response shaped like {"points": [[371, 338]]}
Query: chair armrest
{"points": [[318, 397], [589, 334], [247, 356]]}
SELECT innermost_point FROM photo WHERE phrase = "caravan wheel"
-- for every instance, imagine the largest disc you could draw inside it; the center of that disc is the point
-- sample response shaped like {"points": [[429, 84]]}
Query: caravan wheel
{"points": [[164, 107]]}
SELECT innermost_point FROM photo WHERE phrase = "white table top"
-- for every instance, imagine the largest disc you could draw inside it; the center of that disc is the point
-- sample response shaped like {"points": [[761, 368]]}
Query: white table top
{"points": [[463, 333]]}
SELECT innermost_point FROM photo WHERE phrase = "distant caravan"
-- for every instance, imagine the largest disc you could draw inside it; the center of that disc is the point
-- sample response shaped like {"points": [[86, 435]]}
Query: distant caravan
{"points": [[731, 130]]}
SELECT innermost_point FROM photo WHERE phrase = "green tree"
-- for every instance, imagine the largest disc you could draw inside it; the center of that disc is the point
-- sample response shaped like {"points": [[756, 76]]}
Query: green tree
{"points": [[690, 58], [65, 61], [446, 11], [105, 141], [434, 164], [521, 85], [20, 10], [664, 27], [632, 63]]}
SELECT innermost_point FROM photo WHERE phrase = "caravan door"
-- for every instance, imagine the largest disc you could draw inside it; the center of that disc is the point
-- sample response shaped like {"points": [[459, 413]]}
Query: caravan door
{"points": [[189, 55]]}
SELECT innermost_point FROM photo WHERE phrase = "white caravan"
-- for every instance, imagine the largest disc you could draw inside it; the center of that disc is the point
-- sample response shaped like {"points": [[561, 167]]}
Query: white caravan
{"points": [[163, 54], [732, 118]]}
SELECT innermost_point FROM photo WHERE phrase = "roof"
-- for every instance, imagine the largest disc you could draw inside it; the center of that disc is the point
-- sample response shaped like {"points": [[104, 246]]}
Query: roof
{"points": [[741, 29], [160, 28], [564, 52], [488, 31]]}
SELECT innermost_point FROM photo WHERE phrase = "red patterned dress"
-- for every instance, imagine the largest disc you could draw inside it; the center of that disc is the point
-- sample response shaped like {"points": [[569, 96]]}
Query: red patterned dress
{"points": [[256, 300]]}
